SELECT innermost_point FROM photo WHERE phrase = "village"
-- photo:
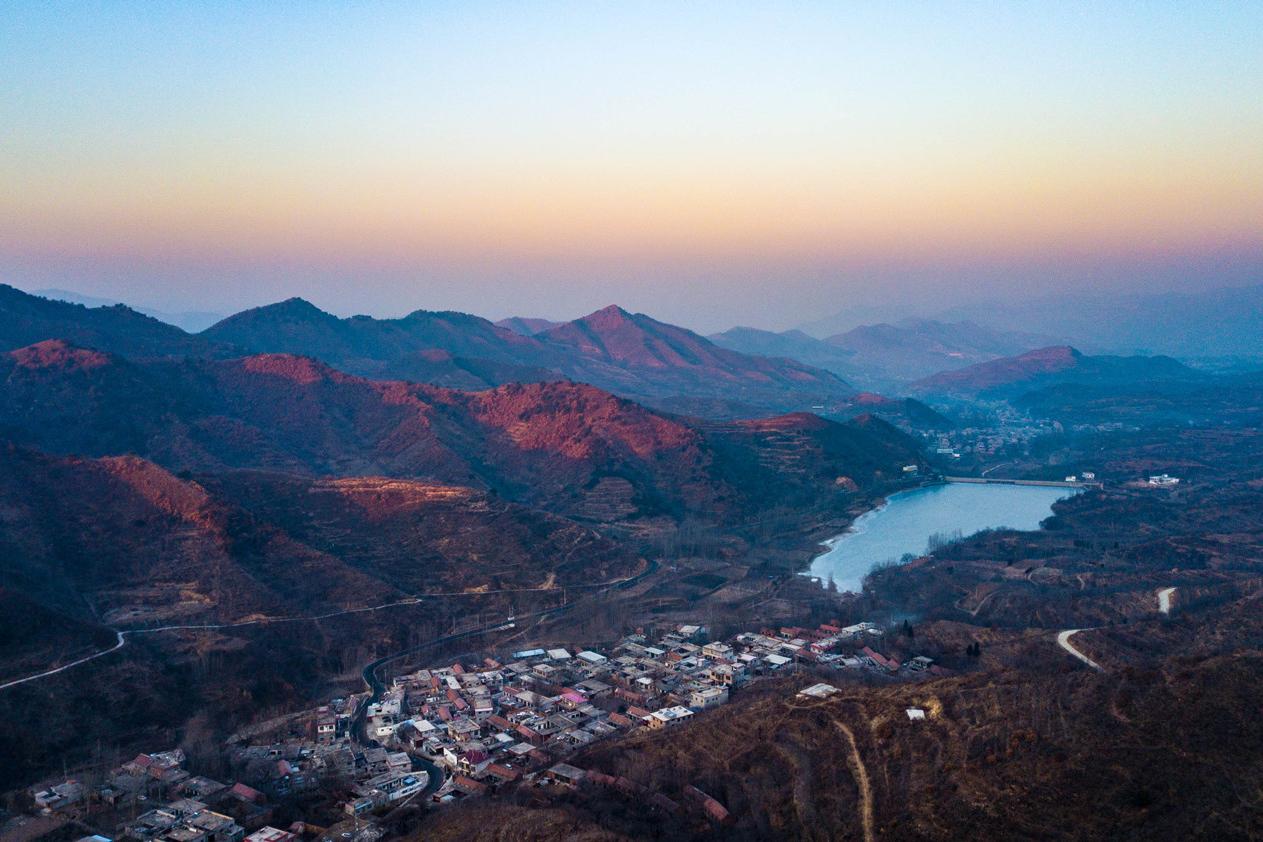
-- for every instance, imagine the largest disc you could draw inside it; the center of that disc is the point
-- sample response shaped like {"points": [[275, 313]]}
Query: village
{"points": [[463, 730]]}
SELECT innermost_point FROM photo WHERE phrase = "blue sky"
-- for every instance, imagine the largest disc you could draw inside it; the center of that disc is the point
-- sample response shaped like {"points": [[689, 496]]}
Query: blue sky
{"points": [[707, 163]]}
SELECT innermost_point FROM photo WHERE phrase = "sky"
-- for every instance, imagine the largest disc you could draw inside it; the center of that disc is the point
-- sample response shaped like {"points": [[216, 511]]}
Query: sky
{"points": [[708, 163]]}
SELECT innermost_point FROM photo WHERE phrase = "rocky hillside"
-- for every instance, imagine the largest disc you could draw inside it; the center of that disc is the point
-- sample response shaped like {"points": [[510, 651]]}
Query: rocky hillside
{"points": [[1062, 754], [658, 359], [122, 541], [544, 444]]}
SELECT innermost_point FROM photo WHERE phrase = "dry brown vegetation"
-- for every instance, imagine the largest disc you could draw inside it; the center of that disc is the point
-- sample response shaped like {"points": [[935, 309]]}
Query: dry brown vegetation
{"points": [[1065, 755], [1026, 742]]}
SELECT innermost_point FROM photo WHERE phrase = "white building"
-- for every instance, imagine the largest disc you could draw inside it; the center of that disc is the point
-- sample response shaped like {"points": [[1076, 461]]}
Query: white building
{"points": [[708, 697], [668, 717], [819, 691], [395, 787]]}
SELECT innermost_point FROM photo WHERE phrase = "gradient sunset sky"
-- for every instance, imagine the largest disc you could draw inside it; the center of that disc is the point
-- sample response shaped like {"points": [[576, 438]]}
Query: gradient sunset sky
{"points": [[708, 163]]}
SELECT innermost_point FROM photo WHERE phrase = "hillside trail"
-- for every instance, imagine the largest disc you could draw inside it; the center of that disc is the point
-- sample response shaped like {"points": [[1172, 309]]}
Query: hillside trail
{"points": [[861, 779]]}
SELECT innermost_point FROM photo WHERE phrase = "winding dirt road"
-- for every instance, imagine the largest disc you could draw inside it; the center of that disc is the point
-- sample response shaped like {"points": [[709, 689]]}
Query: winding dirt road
{"points": [[1063, 640], [861, 779]]}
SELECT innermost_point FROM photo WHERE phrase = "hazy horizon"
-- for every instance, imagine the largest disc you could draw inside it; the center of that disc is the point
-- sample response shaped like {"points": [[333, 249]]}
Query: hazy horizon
{"points": [[709, 165]]}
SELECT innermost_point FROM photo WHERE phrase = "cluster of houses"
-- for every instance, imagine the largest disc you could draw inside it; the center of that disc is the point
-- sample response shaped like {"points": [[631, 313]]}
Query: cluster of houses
{"points": [[155, 799], [325, 751], [1014, 432], [494, 722], [466, 729], [490, 723], [831, 645]]}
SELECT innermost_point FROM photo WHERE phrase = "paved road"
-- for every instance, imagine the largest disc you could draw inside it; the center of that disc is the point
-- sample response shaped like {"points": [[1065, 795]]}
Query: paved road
{"points": [[122, 640], [1063, 640], [123, 635], [434, 775]]}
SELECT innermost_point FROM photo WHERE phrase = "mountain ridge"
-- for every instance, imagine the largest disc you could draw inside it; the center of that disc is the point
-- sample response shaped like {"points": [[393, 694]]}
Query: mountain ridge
{"points": [[1043, 366], [542, 444], [887, 356]]}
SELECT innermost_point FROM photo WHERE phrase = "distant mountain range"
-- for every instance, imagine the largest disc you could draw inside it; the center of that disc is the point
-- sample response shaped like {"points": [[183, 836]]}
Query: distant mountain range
{"points": [[740, 373], [1054, 365], [1217, 322], [887, 356], [26, 319], [1214, 323], [629, 354], [527, 326], [191, 320], [444, 348]]}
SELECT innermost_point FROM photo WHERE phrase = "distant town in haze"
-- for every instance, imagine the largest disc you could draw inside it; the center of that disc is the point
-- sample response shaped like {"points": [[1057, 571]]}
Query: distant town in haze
{"points": [[540, 422]]}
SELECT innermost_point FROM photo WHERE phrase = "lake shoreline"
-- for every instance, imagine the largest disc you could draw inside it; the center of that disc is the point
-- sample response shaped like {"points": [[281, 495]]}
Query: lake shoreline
{"points": [[923, 514]]}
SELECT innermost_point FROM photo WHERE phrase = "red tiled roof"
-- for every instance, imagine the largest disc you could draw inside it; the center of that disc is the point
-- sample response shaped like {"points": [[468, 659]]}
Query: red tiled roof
{"points": [[503, 772], [469, 785], [880, 659], [248, 793]]}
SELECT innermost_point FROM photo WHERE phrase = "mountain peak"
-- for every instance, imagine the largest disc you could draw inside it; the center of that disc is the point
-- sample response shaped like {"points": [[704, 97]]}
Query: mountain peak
{"points": [[1023, 368], [421, 315], [291, 309], [292, 325], [294, 306], [610, 314]]}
